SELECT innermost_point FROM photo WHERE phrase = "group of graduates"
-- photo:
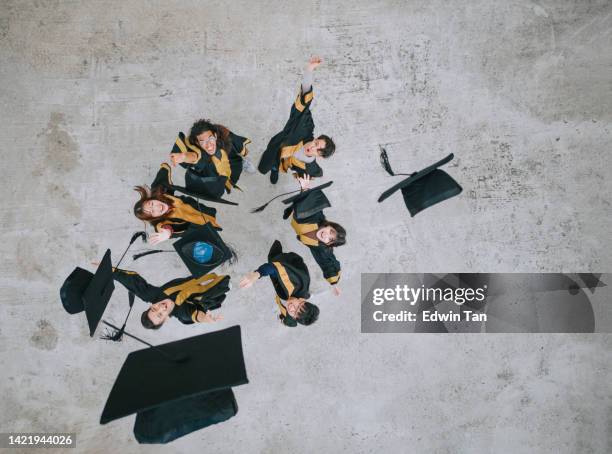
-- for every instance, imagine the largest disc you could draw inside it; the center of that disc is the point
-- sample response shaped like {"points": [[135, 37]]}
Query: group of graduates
{"points": [[214, 158]]}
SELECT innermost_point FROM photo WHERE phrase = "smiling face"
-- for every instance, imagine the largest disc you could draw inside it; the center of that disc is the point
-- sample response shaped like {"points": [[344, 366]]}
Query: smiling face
{"points": [[154, 208], [295, 306], [208, 142], [314, 147], [159, 312], [327, 235]]}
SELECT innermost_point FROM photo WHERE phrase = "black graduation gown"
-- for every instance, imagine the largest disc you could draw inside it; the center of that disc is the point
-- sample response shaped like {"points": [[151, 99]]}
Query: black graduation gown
{"points": [[298, 130], [293, 278], [189, 296], [323, 255], [182, 218], [212, 175]]}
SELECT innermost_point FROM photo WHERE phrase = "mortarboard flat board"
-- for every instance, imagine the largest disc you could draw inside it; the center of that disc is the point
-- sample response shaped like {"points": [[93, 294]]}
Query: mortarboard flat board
{"points": [[154, 386], [308, 202], [425, 188], [98, 292], [198, 239], [202, 187]]}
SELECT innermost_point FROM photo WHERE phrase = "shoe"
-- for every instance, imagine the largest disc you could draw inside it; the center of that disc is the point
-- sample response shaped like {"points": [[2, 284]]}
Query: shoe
{"points": [[274, 176], [248, 166]]}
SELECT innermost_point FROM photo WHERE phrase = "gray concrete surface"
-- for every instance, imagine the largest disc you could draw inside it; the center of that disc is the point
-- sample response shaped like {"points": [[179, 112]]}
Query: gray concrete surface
{"points": [[93, 94]]}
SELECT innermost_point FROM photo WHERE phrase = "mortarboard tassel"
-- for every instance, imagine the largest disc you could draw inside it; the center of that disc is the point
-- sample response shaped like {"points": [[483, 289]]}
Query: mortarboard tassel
{"points": [[384, 161], [142, 254], [116, 335], [263, 207]]}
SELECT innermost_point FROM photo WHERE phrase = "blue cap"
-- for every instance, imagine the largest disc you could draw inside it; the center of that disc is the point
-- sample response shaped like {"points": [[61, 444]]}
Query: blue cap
{"points": [[202, 252]]}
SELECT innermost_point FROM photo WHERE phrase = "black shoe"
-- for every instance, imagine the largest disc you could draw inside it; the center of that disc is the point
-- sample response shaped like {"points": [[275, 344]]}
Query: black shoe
{"points": [[274, 176]]}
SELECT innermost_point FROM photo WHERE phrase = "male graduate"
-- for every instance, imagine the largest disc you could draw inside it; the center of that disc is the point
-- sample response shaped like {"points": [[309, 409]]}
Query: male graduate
{"points": [[291, 281], [214, 158], [188, 299], [295, 148]]}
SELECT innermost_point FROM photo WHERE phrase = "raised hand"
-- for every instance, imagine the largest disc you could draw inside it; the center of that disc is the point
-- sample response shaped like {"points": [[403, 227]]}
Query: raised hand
{"points": [[249, 279], [313, 63]]}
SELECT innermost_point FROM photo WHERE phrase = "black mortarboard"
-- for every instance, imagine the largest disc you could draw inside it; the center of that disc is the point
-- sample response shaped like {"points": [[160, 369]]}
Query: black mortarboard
{"points": [[202, 187], [425, 188], [84, 291], [202, 249], [174, 398], [98, 292], [73, 288], [308, 202]]}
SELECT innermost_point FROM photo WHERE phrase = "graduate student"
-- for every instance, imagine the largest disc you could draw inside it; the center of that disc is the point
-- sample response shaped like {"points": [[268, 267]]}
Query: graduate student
{"points": [[170, 215], [314, 231], [188, 299], [213, 156], [295, 148], [291, 281]]}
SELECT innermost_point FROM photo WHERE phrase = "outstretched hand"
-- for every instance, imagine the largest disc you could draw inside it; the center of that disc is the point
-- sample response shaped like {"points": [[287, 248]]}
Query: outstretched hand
{"points": [[314, 62], [305, 181], [158, 237], [248, 280], [336, 290]]}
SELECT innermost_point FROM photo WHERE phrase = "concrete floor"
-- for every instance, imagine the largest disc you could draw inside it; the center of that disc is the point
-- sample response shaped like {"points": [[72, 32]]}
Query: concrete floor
{"points": [[93, 94]]}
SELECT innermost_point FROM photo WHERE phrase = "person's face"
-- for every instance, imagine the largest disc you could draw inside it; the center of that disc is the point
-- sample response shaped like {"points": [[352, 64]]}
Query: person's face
{"points": [[314, 147], [295, 306], [327, 235], [154, 208], [159, 312], [208, 142]]}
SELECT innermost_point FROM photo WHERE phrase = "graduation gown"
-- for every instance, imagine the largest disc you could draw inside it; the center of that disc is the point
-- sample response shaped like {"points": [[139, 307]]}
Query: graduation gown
{"points": [[323, 254], [186, 210], [213, 174], [298, 130], [189, 296], [292, 278]]}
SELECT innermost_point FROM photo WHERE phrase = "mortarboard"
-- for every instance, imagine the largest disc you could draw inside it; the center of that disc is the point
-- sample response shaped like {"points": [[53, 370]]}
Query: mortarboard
{"points": [[424, 188], [98, 292], [201, 186], [308, 202], [175, 397], [202, 250], [84, 291]]}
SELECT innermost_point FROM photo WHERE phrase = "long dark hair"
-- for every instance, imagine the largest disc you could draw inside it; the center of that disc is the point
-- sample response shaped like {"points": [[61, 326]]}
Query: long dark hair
{"points": [[204, 125], [158, 193], [340, 233]]}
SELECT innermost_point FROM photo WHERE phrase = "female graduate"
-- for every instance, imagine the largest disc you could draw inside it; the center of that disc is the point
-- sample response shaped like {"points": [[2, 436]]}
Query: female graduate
{"points": [[316, 232], [170, 215], [295, 147], [291, 282], [188, 299], [213, 156]]}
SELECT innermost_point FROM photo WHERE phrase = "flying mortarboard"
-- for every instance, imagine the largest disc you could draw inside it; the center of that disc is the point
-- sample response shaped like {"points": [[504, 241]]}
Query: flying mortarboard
{"points": [[307, 202], [84, 291], [424, 188], [202, 250], [199, 186], [193, 191], [174, 398]]}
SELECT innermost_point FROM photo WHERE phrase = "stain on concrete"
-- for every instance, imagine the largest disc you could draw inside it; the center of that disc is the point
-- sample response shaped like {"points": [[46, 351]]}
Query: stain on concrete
{"points": [[61, 150], [45, 337]]}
